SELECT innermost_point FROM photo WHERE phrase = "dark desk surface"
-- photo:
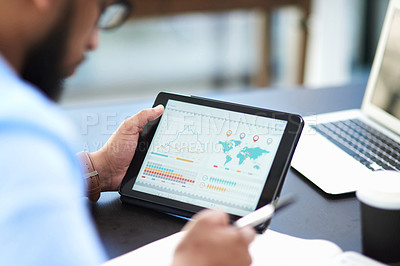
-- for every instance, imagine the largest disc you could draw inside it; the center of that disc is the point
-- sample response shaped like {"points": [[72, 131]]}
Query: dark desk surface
{"points": [[314, 215]]}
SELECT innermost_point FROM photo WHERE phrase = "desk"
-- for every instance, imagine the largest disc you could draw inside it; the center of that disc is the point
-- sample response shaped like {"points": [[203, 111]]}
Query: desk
{"points": [[146, 8], [314, 215]]}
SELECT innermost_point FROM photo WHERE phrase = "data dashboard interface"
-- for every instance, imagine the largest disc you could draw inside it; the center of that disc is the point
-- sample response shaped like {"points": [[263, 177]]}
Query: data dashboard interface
{"points": [[210, 157]]}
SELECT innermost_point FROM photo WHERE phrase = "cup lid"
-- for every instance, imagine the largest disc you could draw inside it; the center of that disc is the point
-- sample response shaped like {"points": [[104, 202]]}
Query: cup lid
{"points": [[381, 190]]}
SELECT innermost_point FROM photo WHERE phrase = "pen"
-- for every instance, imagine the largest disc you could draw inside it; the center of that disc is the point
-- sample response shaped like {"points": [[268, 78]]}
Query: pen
{"points": [[263, 214]]}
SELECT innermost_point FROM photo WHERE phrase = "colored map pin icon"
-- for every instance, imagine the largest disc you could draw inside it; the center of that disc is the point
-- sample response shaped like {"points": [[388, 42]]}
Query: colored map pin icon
{"points": [[229, 132], [255, 138], [242, 135]]}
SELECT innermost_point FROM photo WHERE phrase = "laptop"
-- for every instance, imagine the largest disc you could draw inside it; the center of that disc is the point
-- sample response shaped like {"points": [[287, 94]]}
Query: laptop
{"points": [[337, 151]]}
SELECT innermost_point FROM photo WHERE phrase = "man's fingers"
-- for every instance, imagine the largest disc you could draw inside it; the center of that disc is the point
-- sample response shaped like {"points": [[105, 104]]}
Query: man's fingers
{"points": [[214, 217], [159, 109], [135, 124], [248, 234]]}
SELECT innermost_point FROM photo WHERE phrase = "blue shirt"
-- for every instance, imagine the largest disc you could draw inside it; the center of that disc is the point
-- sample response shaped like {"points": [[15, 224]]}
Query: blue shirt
{"points": [[44, 219]]}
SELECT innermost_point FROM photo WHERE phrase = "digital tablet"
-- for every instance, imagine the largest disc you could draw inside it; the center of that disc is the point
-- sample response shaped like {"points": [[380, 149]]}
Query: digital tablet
{"points": [[203, 153]]}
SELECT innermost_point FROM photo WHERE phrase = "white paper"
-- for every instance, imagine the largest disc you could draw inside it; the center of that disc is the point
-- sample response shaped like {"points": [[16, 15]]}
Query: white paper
{"points": [[270, 248]]}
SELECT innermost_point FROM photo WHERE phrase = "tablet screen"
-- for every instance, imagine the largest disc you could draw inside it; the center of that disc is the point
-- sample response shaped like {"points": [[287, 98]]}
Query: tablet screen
{"points": [[210, 157]]}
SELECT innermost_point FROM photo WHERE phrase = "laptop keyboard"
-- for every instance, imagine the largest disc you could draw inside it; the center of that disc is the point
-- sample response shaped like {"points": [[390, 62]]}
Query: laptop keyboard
{"points": [[364, 143]]}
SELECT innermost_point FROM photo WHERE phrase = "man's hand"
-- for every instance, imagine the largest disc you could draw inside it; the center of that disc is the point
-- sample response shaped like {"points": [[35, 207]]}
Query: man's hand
{"points": [[210, 240], [113, 159]]}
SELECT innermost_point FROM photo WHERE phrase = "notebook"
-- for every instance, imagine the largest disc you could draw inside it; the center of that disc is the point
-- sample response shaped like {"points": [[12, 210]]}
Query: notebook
{"points": [[270, 248], [338, 150]]}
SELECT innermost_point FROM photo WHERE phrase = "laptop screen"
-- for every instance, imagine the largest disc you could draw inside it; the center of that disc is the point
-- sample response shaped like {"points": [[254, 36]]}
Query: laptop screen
{"points": [[386, 94]]}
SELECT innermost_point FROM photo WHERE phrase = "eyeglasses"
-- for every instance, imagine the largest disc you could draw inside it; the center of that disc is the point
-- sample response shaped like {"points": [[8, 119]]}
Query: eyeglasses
{"points": [[114, 14]]}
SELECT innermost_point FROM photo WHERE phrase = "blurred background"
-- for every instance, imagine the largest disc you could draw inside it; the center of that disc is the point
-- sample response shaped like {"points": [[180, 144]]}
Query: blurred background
{"points": [[196, 48]]}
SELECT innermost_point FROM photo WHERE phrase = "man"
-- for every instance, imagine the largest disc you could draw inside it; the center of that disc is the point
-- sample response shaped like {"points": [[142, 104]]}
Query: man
{"points": [[43, 220]]}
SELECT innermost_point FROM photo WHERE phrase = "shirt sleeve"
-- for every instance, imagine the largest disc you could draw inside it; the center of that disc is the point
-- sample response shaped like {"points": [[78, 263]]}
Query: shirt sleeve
{"points": [[44, 219]]}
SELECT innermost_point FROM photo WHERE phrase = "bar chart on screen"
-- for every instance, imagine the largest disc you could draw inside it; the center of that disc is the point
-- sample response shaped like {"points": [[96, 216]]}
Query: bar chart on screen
{"points": [[170, 174]]}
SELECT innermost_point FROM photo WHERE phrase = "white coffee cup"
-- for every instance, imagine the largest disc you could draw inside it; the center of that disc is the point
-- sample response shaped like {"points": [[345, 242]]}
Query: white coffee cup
{"points": [[380, 216]]}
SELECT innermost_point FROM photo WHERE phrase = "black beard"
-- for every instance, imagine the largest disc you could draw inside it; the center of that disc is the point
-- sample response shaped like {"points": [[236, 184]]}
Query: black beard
{"points": [[43, 65]]}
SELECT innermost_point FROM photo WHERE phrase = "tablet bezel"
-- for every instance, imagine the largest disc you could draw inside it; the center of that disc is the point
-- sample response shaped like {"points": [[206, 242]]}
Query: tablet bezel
{"points": [[274, 181]]}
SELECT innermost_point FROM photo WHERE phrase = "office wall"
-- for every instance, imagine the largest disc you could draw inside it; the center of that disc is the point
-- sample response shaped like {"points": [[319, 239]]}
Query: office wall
{"points": [[197, 53], [186, 53], [335, 32], [343, 39]]}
